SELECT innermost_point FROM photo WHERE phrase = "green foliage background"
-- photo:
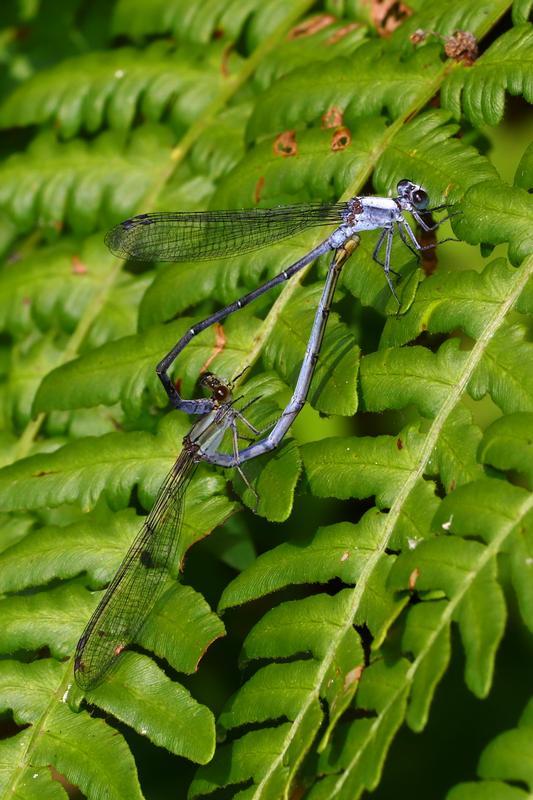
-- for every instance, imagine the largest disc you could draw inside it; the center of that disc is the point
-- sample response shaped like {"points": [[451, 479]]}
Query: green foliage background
{"points": [[385, 586]]}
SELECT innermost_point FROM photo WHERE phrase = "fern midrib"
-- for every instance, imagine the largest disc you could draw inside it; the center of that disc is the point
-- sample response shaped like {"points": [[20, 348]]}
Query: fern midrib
{"points": [[430, 443]]}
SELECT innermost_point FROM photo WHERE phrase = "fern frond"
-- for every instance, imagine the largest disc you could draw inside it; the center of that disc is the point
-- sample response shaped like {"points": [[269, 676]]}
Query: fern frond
{"points": [[110, 466], [123, 371], [482, 208], [81, 184], [479, 90], [521, 11], [318, 168], [112, 88], [29, 362], [506, 444], [428, 146]]}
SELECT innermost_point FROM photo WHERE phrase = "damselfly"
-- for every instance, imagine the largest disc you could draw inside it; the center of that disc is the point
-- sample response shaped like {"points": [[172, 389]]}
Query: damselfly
{"points": [[203, 235], [137, 585]]}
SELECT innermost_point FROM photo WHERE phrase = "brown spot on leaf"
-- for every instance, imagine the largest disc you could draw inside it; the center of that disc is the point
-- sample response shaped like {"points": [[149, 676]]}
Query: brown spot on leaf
{"points": [[332, 118], [311, 26], [418, 36], [224, 64], [353, 676], [413, 577], [220, 343], [341, 139], [342, 32], [387, 15], [452, 486], [285, 144], [399, 443], [259, 188], [77, 266]]}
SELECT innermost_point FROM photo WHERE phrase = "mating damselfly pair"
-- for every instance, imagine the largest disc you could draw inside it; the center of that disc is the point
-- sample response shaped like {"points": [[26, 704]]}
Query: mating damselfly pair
{"points": [[183, 236]]}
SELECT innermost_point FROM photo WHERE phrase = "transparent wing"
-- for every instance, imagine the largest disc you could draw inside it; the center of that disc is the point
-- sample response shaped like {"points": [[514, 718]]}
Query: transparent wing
{"points": [[134, 590], [202, 235]]}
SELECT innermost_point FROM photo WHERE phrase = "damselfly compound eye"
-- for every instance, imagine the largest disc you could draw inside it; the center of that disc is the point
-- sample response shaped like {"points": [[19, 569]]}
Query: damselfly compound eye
{"points": [[420, 199]]}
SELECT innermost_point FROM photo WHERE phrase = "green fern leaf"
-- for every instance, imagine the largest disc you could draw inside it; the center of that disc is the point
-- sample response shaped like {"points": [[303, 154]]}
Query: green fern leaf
{"points": [[335, 467], [29, 363], [427, 150], [521, 11], [65, 550], [54, 285], [141, 695], [318, 166], [507, 444], [327, 38], [483, 206], [448, 17], [524, 172]]}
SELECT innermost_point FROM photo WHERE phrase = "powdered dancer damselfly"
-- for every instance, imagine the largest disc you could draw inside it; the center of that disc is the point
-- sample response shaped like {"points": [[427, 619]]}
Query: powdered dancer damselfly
{"points": [[203, 235]]}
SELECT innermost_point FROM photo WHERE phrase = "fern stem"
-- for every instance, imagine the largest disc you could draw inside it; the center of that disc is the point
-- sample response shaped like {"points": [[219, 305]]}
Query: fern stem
{"points": [[32, 429]]}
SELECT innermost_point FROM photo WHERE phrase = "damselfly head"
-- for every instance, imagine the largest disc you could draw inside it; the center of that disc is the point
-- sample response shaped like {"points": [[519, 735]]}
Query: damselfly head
{"points": [[412, 195], [220, 391]]}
